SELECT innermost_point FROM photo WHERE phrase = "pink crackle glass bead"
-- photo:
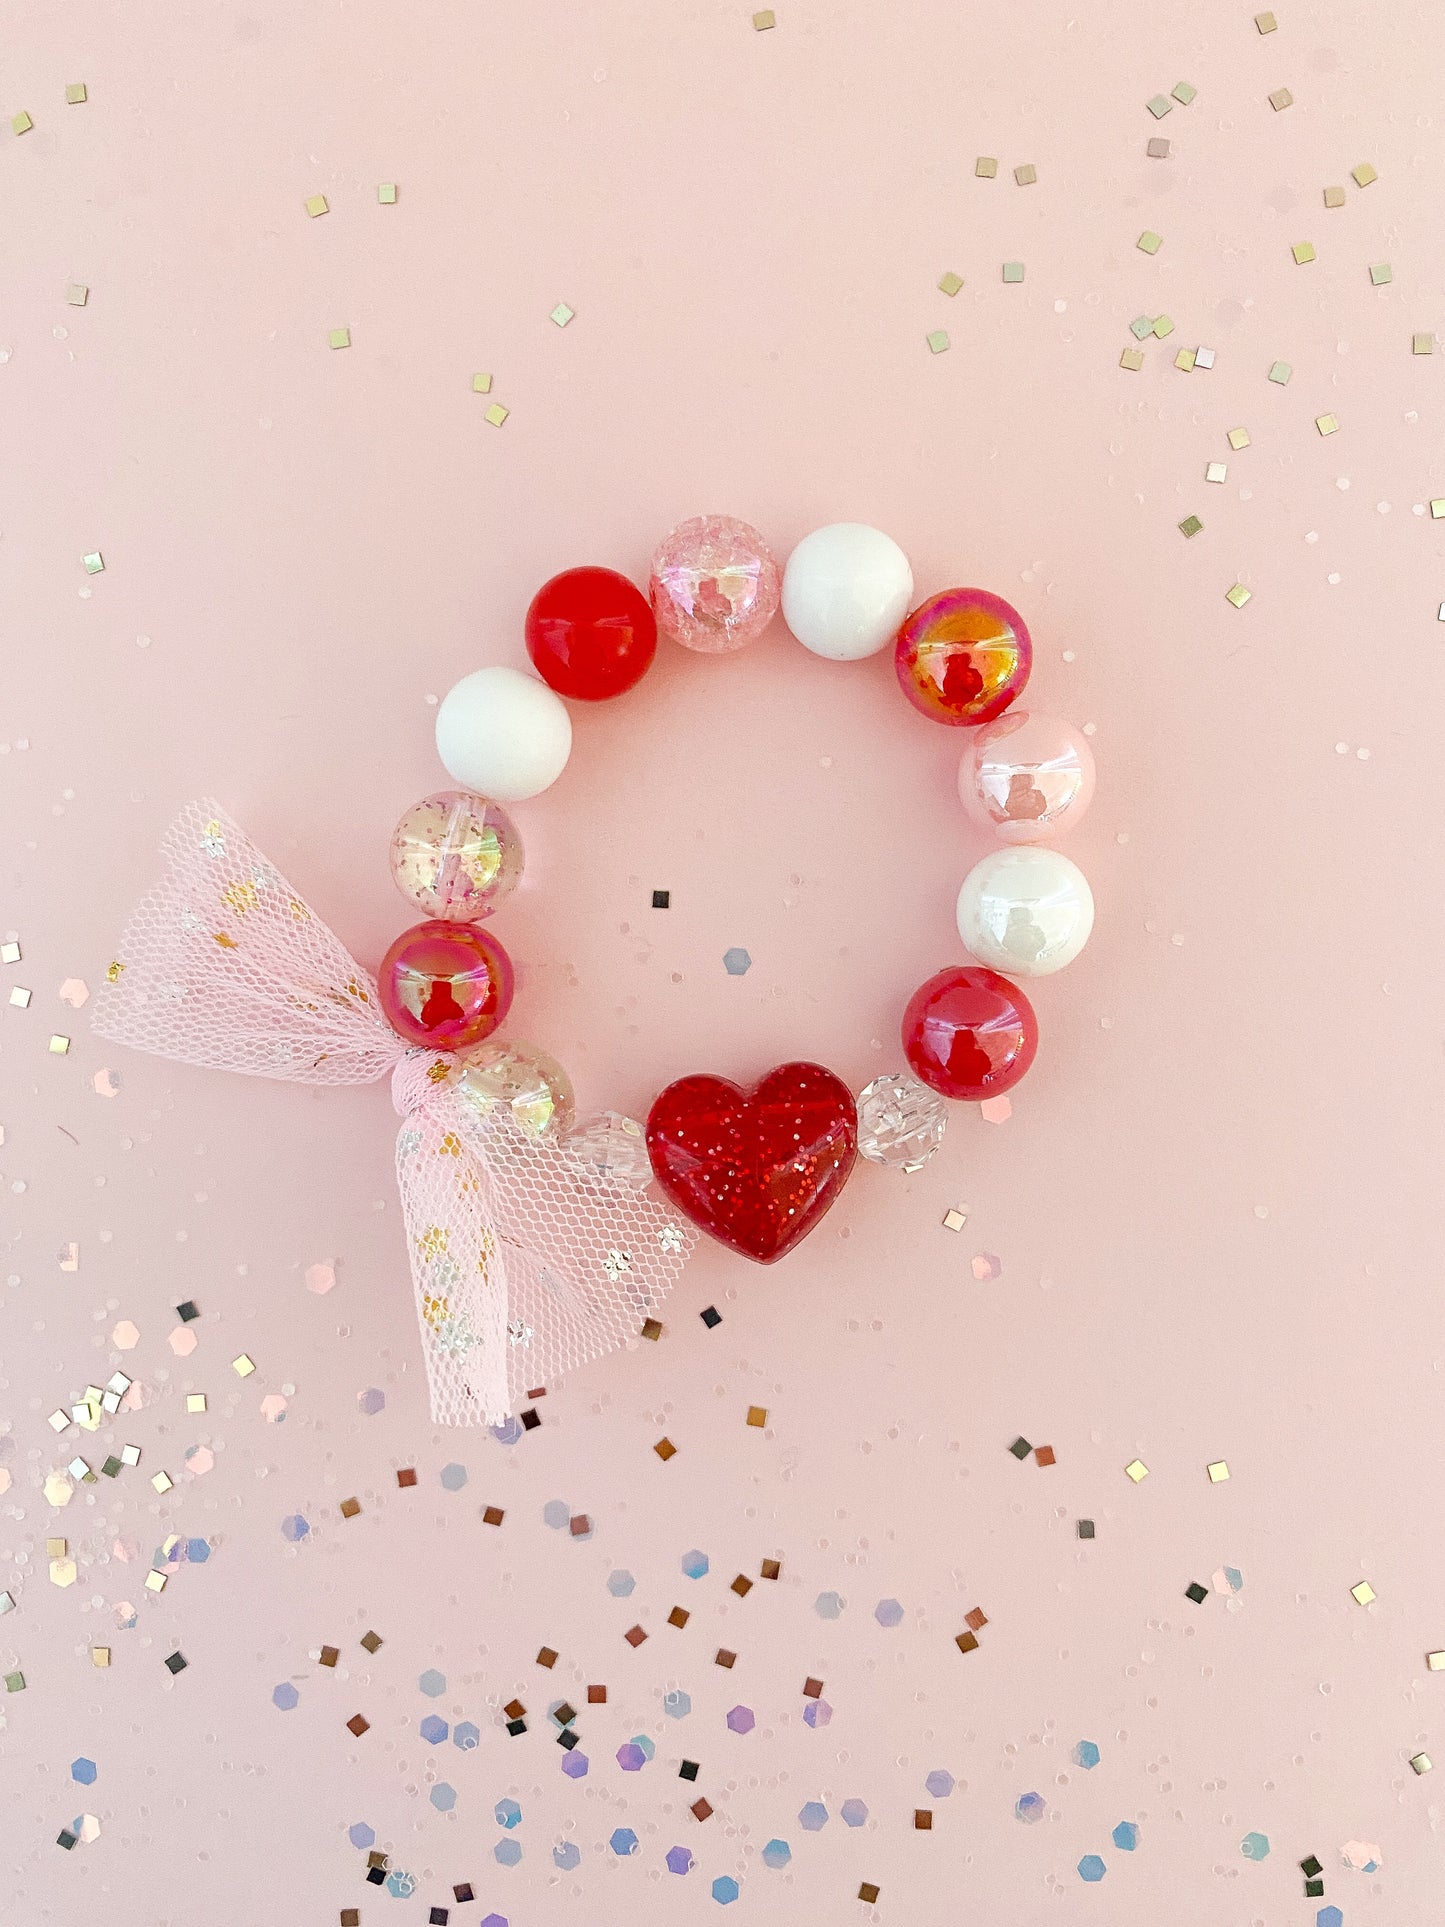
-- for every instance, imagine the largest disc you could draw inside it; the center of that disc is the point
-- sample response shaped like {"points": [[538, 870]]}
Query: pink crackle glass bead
{"points": [[445, 986], [715, 585], [963, 656]]}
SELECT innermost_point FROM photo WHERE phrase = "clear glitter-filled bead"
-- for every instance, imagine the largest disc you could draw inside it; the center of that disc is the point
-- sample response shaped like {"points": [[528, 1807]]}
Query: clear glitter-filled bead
{"points": [[519, 1078], [900, 1122], [715, 585], [456, 855], [614, 1149]]}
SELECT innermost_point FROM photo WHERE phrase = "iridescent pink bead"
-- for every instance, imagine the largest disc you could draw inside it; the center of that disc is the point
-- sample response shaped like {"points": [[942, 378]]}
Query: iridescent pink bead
{"points": [[445, 985], [715, 585], [1027, 777]]}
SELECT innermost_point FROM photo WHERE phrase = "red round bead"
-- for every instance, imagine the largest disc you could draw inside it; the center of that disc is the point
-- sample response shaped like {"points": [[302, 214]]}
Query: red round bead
{"points": [[963, 656], [969, 1033], [445, 985], [591, 634]]}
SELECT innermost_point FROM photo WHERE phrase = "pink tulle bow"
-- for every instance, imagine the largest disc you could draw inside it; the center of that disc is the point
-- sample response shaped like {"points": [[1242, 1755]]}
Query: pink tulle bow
{"points": [[526, 1259]]}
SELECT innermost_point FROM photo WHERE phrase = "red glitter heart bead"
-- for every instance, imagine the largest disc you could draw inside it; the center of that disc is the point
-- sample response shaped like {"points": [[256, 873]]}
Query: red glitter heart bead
{"points": [[755, 1169]]}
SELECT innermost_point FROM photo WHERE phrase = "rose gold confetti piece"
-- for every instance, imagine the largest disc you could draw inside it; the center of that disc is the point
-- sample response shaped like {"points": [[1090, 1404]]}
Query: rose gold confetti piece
{"points": [[329, 1655], [579, 1525], [350, 1508], [652, 1329], [724, 1658], [357, 1724], [678, 1617], [742, 1585], [868, 1892], [492, 1515], [757, 1415], [700, 1809], [665, 1449], [406, 1476], [320, 1278], [996, 1110], [812, 1688], [106, 1084], [634, 1636], [967, 1642], [547, 1655], [771, 1568], [976, 1620], [1044, 1455], [515, 1710], [75, 992], [596, 1695], [922, 1820], [182, 1341]]}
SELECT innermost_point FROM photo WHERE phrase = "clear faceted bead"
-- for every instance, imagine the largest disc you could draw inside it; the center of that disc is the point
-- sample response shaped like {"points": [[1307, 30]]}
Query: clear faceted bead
{"points": [[900, 1121], [614, 1149]]}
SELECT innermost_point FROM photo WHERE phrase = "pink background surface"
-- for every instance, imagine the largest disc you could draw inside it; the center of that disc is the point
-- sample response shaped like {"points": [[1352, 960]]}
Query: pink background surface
{"points": [[1214, 1205]]}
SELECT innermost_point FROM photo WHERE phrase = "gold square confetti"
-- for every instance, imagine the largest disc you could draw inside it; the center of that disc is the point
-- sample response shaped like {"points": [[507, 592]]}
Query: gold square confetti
{"points": [[1013, 271], [56, 1548], [386, 193], [954, 1219], [1280, 372], [1334, 197], [1238, 438], [1327, 424], [1381, 274], [1163, 326], [1136, 1470], [1303, 252], [1436, 1662], [1280, 99], [1364, 1594], [1216, 472], [1422, 344], [1363, 175], [1149, 242], [1026, 175], [937, 342], [130, 1455], [350, 1508], [950, 283], [9, 953], [77, 294], [985, 167], [1191, 525], [339, 338], [561, 314], [195, 1401], [765, 20], [1218, 1472], [496, 414], [20, 998], [1157, 148], [162, 1481], [59, 1046], [317, 204], [21, 123], [242, 1366], [155, 1582], [1238, 595], [100, 1655], [1185, 359], [1183, 92], [1159, 106], [481, 384], [757, 1415], [1421, 1762], [75, 94], [1265, 22], [1132, 359]]}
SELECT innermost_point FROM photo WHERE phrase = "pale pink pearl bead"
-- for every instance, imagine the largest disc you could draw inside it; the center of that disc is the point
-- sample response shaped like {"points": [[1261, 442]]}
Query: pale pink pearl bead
{"points": [[715, 584], [1028, 777]]}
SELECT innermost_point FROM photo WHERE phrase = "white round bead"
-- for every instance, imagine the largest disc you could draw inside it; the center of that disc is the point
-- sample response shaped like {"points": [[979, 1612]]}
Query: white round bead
{"points": [[846, 590], [504, 734], [1026, 911]]}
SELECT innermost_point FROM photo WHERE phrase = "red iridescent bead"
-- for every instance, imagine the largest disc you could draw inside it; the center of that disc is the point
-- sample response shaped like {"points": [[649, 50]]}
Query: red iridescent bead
{"points": [[963, 656], [591, 634], [445, 985], [969, 1033]]}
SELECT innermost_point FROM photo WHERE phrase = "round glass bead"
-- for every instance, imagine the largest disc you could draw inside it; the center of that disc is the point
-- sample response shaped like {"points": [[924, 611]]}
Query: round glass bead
{"points": [[456, 855], [900, 1121], [963, 656], [714, 584], [517, 1081], [590, 633], [614, 1150], [1027, 777], [445, 985], [969, 1033]]}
